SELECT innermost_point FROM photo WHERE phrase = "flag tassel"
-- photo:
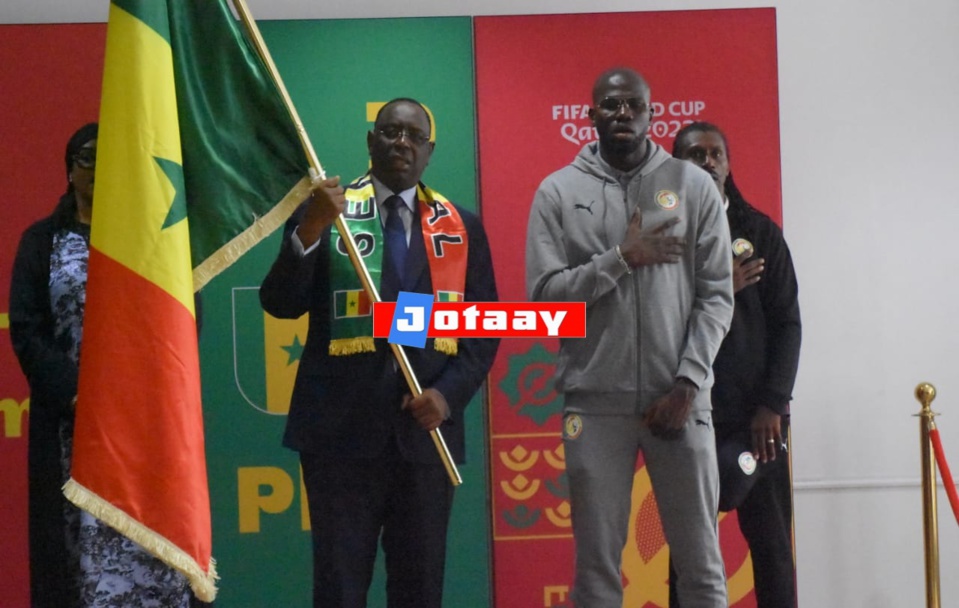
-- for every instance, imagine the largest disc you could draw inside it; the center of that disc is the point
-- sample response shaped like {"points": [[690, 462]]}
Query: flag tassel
{"points": [[233, 249], [201, 581]]}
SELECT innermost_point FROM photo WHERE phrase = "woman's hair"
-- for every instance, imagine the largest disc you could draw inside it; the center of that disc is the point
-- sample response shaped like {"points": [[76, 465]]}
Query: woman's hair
{"points": [[84, 134]]}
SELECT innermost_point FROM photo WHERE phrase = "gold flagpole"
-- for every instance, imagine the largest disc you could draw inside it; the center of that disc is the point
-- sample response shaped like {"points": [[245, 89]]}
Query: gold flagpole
{"points": [[925, 393], [316, 170]]}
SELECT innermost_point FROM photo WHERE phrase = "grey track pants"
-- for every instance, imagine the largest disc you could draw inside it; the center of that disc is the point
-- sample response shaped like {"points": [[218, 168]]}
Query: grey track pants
{"points": [[601, 453]]}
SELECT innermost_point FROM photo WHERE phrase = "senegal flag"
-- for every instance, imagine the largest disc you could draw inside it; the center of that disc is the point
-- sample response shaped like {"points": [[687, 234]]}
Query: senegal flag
{"points": [[197, 160], [351, 303]]}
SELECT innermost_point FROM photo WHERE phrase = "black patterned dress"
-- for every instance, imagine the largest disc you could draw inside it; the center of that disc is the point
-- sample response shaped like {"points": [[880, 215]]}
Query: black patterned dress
{"points": [[112, 570]]}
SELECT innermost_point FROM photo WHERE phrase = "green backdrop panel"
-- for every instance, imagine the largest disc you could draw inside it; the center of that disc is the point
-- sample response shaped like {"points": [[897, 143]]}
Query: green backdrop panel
{"points": [[337, 73]]}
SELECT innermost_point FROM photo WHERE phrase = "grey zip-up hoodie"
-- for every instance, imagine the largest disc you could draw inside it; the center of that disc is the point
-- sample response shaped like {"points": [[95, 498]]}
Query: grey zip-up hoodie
{"points": [[645, 329]]}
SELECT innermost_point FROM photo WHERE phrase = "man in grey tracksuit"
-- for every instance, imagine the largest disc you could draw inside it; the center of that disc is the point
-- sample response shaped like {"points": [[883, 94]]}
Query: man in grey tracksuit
{"points": [[642, 238]]}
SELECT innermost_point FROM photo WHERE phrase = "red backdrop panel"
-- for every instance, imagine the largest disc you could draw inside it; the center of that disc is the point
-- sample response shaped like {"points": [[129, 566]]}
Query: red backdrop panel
{"points": [[534, 80], [51, 86]]}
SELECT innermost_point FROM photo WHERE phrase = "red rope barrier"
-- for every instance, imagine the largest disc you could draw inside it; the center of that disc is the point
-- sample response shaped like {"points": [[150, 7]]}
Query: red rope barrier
{"points": [[944, 472]]}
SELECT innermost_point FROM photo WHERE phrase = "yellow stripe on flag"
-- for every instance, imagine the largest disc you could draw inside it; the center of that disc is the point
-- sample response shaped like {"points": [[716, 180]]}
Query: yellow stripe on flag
{"points": [[139, 459], [352, 303], [133, 194]]}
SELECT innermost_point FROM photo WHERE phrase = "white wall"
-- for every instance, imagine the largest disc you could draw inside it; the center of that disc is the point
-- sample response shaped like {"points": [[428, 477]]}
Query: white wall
{"points": [[870, 141]]}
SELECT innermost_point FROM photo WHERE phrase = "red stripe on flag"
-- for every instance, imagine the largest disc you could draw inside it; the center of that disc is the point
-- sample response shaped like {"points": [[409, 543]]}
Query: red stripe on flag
{"points": [[138, 441], [365, 306]]}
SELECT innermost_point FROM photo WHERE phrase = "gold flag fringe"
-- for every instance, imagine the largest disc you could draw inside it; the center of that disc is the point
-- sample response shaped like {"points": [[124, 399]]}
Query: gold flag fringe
{"points": [[364, 344], [445, 345], [202, 582], [261, 228], [351, 346]]}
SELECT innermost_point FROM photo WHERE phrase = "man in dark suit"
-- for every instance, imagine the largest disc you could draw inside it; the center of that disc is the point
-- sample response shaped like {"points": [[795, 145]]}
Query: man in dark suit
{"points": [[371, 470]]}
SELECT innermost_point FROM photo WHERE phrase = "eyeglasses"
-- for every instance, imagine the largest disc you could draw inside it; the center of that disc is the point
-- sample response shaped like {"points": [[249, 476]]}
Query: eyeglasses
{"points": [[414, 136], [86, 158], [613, 105]]}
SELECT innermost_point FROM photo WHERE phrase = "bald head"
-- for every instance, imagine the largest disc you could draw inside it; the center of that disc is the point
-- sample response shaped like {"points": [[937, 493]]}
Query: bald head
{"points": [[619, 78], [621, 115]]}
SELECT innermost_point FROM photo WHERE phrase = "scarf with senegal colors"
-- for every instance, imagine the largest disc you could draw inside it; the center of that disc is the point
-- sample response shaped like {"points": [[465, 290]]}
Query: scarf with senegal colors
{"points": [[446, 242]]}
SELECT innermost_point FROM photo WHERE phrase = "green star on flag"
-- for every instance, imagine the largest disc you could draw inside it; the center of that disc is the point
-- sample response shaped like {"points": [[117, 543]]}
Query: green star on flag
{"points": [[174, 172]]}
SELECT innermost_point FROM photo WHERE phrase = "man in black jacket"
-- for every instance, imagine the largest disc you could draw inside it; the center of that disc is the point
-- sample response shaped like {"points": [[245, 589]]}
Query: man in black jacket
{"points": [[755, 372]]}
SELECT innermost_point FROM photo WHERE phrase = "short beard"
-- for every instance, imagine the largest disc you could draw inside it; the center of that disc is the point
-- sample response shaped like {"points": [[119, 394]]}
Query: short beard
{"points": [[619, 148]]}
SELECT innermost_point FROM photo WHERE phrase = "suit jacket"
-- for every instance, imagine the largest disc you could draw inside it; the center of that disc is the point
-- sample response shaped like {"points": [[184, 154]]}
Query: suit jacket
{"points": [[349, 406]]}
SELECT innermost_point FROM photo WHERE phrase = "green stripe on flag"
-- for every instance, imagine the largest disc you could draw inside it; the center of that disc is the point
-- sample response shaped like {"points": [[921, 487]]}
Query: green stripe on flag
{"points": [[241, 154], [339, 304], [153, 14]]}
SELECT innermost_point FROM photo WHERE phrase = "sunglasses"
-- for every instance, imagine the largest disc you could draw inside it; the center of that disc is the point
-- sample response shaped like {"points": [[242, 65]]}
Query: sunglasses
{"points": [[86, 158], [612, 105]]}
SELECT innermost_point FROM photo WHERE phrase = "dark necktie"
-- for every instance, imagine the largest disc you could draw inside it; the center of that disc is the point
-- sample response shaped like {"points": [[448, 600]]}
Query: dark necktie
{"points": [[395, 233]]}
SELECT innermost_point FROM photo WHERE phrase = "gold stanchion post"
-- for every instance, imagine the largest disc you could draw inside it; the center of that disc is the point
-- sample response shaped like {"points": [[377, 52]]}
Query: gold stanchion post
{"points": [[925, 393]]}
